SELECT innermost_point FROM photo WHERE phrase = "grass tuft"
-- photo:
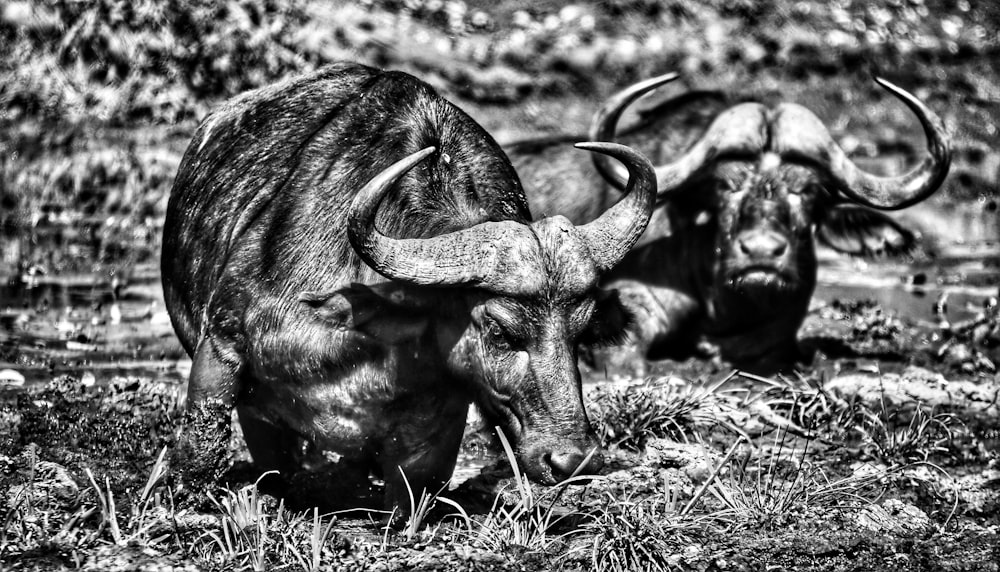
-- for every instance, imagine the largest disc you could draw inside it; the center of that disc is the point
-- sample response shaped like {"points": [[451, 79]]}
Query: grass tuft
{"points": [[632, 532], [318, 538], [926, 432], [244, 520], [764, 490], [527, 525], [142, 521], [627, 417], [419, 509]]}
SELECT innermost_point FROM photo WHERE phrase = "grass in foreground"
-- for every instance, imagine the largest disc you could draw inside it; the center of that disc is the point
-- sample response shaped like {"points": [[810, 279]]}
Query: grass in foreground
{"points": [[643, 516]]}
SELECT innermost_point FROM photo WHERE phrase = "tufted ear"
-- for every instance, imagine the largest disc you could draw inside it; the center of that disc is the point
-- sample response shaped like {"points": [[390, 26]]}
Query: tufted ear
{"points": [[860, 231], [385, 311]]}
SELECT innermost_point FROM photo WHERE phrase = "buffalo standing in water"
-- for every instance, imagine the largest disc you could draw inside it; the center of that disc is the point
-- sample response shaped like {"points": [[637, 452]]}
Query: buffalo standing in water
{"points": [[350, 261], [728, 264]]}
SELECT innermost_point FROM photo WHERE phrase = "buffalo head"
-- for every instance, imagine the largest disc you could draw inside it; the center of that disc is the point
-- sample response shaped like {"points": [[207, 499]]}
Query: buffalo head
{"points": [[746, 200], [532, 296]]}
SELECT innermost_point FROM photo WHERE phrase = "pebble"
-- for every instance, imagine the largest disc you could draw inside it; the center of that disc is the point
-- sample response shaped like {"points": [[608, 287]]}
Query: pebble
{"points": [[160, 318], [11, 378], [88, 379]]}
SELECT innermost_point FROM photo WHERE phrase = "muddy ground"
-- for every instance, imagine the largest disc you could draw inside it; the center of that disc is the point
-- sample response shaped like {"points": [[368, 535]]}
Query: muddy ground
{"points": [[879, 453]]}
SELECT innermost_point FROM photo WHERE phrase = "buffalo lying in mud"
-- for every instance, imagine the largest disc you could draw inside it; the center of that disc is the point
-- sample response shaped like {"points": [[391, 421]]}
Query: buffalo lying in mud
{"points": [[350, 261], [727, 265]]}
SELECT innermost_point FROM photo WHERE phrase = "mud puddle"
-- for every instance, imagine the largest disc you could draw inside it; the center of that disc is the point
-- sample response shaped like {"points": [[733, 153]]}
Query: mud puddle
{"points": [[90, 325], [957, 282]]}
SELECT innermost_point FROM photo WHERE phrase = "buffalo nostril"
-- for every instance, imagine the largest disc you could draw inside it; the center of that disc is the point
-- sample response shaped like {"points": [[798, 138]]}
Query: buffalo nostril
{"points": [[567, 462]]}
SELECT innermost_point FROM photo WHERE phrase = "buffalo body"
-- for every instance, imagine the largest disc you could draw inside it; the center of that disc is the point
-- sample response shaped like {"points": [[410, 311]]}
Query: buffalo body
{"points": [[350, 261]]}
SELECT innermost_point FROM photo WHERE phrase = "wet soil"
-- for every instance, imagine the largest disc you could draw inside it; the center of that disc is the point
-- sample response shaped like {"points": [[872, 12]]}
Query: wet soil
{"points": [[110, 416]]}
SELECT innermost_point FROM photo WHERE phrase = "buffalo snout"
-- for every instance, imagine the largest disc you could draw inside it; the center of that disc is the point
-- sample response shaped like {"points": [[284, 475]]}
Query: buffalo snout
{"points": [[762, 246], [551, 463]]}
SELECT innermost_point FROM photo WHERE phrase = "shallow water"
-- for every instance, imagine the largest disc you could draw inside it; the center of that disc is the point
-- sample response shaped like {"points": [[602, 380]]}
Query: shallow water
{"points": [[72, 312], [97, 325], [966, 274], [107, 325]]}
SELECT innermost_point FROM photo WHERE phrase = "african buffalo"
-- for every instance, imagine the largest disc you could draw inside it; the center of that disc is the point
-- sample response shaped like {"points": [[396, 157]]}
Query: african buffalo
{"points": [[350, 261], [727, 265]]}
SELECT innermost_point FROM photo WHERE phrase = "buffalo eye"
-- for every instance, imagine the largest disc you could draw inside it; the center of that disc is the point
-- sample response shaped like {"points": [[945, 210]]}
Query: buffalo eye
{"points": [[499, 337]]}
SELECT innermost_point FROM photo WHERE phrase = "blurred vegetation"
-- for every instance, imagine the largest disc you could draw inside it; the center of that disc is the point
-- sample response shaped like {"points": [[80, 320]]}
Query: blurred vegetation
{"points": [[98, 98], [168, 60], [123, 61]]}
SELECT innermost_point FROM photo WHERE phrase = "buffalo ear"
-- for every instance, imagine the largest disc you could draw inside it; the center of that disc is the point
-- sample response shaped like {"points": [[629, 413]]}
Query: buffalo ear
{"points": [[610, 324], [384, 312], [860, 231]]}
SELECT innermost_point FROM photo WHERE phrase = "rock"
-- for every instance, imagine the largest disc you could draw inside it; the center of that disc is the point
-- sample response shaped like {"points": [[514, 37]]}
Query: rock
{"points": [[696, 461], [161, 520], [114, 558], [894, 516], [918, 386], [979, 494], [51, 486]]}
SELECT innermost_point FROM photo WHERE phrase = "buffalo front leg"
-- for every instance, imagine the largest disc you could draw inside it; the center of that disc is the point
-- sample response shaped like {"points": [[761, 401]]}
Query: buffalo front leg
{"points": [[201, 453], [273, 447], [419, 454], [307, 476]]}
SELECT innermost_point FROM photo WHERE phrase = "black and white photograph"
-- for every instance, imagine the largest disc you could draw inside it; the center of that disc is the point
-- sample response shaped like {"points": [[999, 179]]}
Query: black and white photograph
{"points": [[470, 285]]}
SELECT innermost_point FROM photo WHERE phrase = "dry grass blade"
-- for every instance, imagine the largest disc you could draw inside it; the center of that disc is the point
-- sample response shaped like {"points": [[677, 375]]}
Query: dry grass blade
{"points": [[711, 479], [109, 516]]}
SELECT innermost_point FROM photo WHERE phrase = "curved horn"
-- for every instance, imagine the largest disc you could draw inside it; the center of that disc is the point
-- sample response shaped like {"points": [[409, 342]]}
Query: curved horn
{"points": [[605, 123], [466, 256], [611, 235], [739, 130], [816, 146]]}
